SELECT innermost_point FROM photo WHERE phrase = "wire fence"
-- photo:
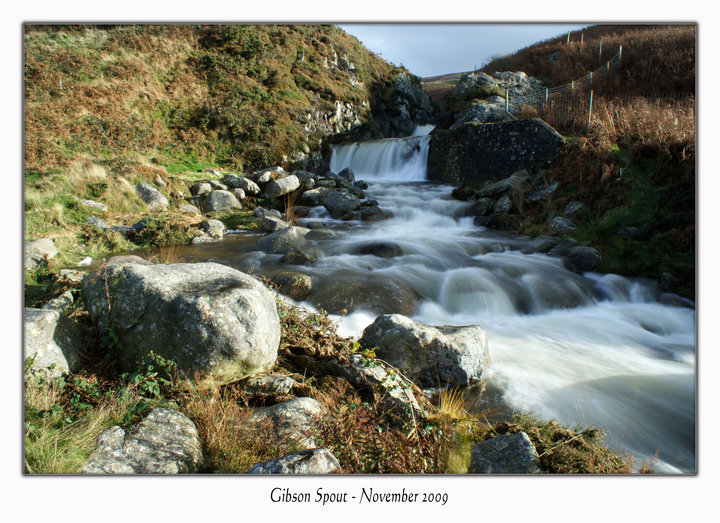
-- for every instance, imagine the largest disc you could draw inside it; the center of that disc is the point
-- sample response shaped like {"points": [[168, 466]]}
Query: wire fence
{"points": [[541, 97]]}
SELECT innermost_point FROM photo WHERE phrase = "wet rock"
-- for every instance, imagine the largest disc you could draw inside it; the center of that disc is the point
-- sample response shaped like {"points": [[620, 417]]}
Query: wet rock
{"points": [[582, 259], [153, 198], [314, 197], [299, 211], [284, 240], [541, 244], [291, 422], [313, 461], [372, 214], [297, 257], [203, 239], [481, 207], [347, 174], [220, 201], [259, 212], [271, 224], [277, 188], [53, 341], [560, 225], [505, 454], [380, 249], [296, 285], [563, 247], [205, 316], [431, 356], [165, 442], [38, 251], [340, 202], [214, 228], [345, 294]]}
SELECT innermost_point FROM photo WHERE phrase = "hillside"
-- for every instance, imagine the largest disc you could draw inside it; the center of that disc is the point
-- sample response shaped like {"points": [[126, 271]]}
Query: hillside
{"points": [[633, 165], [180, 97]]}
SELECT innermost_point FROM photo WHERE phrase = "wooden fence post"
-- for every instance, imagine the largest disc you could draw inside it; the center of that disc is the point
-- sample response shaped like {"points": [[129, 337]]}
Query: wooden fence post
{"points": [[600, 53], [587, 131], [568, 38], [620, 55], [581, 41], [507, 95]]}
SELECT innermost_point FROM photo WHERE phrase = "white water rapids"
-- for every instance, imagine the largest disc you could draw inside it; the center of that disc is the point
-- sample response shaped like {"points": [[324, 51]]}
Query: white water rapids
{"points": [[590, 350]]}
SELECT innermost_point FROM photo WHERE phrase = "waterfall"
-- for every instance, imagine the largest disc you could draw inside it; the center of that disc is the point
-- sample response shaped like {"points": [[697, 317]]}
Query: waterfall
{"points": [[391, 159]]}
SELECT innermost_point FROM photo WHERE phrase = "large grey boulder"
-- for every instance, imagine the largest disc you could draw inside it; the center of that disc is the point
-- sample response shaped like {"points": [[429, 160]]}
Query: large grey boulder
{"points": [[505, 454], [432, 356], [313, 461], [249, 186], [271, 224], [153, 198], [205, 316], [292, 422], [165, 442], [284, 240], [220, 201], [37, 251], [52, 341], [294, 284], [282, 186], [340, 202]]}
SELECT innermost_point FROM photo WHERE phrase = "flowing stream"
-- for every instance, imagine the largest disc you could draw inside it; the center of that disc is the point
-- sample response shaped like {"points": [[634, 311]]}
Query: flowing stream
{"points": [[590, 350]]}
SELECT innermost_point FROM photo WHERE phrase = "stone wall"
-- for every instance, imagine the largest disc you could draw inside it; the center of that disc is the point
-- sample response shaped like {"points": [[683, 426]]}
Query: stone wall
{"points": [[493, 151]]}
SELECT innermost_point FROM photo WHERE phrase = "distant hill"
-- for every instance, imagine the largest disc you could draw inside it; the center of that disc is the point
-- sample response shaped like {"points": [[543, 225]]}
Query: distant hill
{"points": [[657, 59]]}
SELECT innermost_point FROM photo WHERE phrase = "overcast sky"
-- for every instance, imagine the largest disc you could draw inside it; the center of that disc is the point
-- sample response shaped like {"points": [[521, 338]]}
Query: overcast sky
{"points": [[435, 49]]}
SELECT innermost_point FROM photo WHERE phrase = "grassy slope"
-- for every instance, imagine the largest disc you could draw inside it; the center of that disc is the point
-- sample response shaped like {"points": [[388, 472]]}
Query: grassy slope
{"points": [[185, 95]]}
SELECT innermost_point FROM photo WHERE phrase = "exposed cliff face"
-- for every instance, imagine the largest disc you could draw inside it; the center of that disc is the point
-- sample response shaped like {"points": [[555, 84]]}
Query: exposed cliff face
{"points": [[240, 96]]}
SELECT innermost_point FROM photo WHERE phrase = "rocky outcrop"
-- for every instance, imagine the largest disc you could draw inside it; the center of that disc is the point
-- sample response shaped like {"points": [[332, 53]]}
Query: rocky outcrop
{"points": [[314, 461], [165, 442], [52, 342], [405, 107], [505, 454], [206, 317], [432, 356], [479, 152], [220, 200]]}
